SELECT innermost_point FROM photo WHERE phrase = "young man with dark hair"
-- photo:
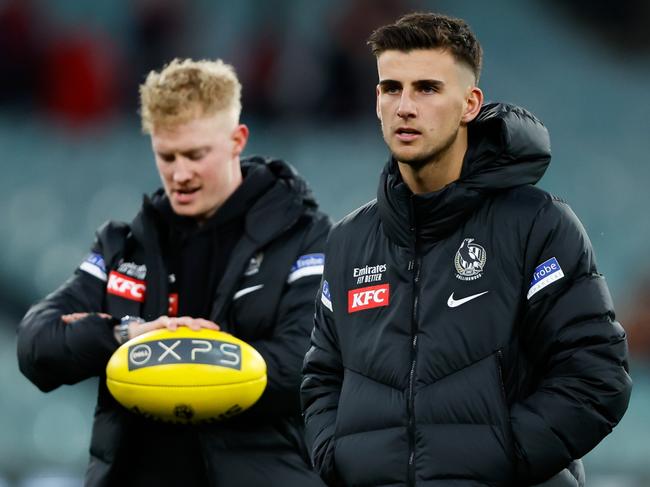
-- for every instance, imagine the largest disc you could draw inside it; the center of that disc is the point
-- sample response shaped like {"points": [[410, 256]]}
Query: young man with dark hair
{"points": [[463, 334], [227, 243]]}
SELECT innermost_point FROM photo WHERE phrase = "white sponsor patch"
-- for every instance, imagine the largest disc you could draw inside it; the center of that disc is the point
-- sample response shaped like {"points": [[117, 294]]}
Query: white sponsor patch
{"points": [[254, 264], [325, 297], [246, 290], [545, 274], [95, 266], [132, 269], [306, 265], [369, 273]]}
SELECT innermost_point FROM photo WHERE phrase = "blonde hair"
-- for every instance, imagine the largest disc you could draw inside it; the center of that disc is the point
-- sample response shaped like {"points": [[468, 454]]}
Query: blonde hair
{"points": [[187, 89]]}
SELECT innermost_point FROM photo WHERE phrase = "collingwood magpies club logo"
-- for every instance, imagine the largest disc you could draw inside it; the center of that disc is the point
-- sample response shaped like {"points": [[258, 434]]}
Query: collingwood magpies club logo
{"points": [[470, 260]]}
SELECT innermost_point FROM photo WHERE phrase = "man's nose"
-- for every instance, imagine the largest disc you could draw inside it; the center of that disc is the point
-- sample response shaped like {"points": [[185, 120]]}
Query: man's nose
{"points": [[406, 108], [182, 171]]}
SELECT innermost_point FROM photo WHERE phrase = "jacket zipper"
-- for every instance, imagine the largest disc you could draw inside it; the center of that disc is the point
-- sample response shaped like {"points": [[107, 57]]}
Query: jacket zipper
{"points": [[414, 348]]}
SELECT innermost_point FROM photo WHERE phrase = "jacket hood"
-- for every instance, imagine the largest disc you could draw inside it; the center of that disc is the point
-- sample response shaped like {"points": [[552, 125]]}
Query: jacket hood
{"points": [[282, 204], [285, 174], [507, 147]]}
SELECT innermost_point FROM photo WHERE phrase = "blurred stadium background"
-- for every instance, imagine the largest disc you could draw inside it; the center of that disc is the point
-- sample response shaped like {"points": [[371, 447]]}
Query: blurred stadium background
{"points": [[73, 155]]}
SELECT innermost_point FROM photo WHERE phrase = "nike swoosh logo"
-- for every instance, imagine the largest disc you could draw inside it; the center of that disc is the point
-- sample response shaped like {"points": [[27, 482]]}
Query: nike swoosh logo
{"points": [[246, 290], [453, 303]]}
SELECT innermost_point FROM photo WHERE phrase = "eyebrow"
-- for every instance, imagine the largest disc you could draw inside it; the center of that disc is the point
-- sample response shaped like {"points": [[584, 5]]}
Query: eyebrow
{"points": [[421, 83], [195, 150], [428, 83], [185, 153]]}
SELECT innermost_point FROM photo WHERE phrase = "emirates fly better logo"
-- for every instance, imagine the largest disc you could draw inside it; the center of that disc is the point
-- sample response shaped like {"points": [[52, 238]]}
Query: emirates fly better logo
{"points": [[368, 297]]}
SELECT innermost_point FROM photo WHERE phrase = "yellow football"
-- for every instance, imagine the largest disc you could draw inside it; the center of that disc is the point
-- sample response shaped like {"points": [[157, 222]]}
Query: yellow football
{"points": [[186, 376]]}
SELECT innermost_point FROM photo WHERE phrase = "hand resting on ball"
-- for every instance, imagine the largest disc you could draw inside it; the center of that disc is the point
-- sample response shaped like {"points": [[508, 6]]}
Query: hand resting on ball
{"points": [[137, 328], [171, 323]]}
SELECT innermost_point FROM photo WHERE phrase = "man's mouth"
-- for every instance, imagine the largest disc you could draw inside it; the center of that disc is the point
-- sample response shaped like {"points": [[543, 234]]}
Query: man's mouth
{"points": [[407, 134], [184, 195]]}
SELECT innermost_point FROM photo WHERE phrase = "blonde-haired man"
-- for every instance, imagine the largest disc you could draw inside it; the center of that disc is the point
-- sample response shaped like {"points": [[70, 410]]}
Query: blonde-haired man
{"points": [[227, 243]]}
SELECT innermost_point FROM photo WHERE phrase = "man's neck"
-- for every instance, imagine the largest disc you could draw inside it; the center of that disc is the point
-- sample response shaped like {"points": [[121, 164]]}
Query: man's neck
{"points": [[438, 172]]}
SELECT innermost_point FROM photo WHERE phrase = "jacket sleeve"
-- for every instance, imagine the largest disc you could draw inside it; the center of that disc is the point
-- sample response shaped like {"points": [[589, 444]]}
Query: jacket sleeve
{"points": [[52, 353], [285, 349], [570, 334], [322, 382]]}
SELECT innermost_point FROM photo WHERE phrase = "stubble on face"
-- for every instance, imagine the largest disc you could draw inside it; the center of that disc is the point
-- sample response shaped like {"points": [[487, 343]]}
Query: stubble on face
{"points": [[417, 161]]}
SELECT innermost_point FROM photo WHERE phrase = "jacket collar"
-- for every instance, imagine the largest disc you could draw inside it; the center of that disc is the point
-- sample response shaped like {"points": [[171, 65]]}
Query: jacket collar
{"points": [[507, 147]]}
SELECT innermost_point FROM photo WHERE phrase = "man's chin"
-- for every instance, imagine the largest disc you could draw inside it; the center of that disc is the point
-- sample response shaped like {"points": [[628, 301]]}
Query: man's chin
{"points": [[416, 161], [184, 210]]}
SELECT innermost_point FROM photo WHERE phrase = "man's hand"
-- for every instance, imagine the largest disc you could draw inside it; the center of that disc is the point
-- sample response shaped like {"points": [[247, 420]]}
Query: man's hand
{"points": [[69, 318], [172, 324]]}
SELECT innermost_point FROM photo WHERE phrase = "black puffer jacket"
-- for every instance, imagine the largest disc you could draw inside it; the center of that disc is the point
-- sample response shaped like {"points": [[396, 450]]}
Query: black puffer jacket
{"points": [[264, 297], [464, 337]]}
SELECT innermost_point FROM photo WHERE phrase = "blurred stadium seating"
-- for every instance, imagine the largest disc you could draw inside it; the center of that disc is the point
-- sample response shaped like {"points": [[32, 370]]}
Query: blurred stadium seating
{"points": [[62, 177]]}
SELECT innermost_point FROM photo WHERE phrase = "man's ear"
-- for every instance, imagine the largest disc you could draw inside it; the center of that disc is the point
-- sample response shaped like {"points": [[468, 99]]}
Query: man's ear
{"points": [[240, 138], [378, 111], [473, 104]]}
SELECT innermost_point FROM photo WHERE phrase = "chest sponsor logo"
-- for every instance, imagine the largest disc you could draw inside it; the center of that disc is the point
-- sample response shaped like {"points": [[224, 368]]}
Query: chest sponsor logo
{"points": [[545, 274], [470, 260], [132, 269], [369, 273], [125, 287], [368, 297]]}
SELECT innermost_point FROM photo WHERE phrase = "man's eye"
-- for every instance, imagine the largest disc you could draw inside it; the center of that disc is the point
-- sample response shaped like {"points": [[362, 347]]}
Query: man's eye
{"points": [[391, 90], [195, 156], [167, 157]]}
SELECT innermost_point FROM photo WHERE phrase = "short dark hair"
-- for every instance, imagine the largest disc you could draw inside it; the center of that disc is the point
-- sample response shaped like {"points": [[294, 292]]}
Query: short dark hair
{"points": [[430, 31]]}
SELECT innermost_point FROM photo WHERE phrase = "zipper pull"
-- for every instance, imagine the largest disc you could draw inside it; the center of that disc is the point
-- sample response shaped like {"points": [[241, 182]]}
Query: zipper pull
{"points": [[411, 265]]}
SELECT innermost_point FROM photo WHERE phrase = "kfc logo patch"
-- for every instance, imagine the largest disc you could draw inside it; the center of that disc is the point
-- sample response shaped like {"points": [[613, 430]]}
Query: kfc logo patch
{"points": [[368, 297], [125, 287]]}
